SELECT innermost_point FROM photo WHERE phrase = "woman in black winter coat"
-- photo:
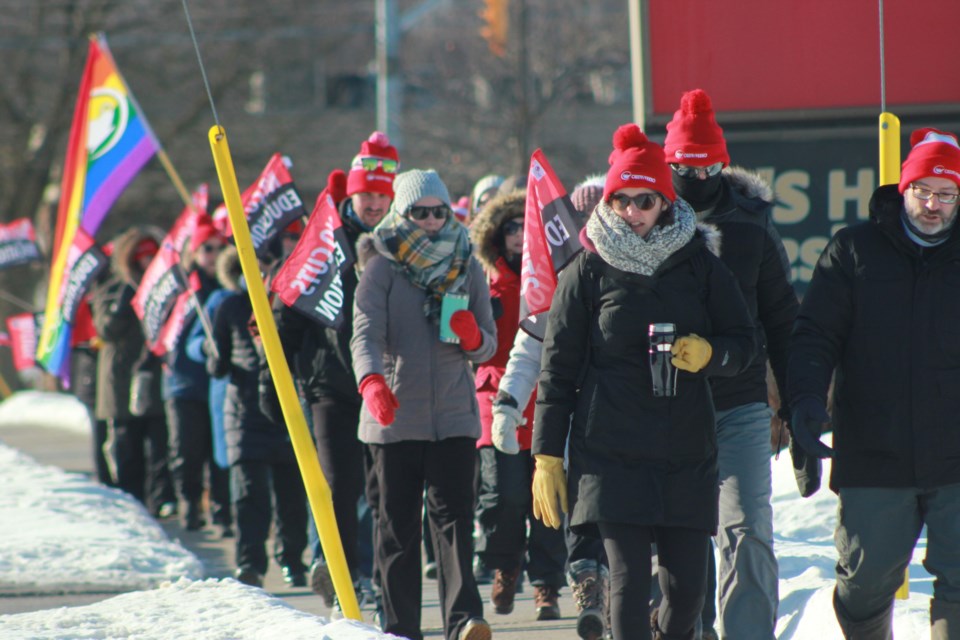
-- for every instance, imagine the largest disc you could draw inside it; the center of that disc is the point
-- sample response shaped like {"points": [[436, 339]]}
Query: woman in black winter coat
{"points": [[264, 478], [642, 468]]}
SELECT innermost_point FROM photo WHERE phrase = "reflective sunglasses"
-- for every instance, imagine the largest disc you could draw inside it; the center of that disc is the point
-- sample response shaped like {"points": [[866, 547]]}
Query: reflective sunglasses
{"points": [[440, 212], [510, 227], [923, 193], [210, 248], [370, 163], [643, 202], [686, 171]]}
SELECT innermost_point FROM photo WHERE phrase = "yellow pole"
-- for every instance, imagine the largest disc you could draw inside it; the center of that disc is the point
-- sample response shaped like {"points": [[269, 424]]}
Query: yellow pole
{"points": [[318, 492], [4, 388], [890, 174]]}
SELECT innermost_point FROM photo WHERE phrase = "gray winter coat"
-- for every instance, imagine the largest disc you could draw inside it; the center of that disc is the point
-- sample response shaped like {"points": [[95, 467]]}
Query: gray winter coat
{"points": [[433, 380]]}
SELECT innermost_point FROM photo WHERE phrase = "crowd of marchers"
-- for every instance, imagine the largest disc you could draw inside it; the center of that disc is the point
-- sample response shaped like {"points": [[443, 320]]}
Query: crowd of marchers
{"points": [[626, 456]]}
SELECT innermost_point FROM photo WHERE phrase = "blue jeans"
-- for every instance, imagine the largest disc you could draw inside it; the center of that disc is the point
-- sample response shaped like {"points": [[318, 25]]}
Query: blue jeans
{"points": [[877, 530], [748, 572]]}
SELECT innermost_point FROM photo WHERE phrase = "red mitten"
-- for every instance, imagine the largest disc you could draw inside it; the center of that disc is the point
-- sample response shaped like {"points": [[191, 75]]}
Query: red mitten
{"points": [[464, 324], [380, 401]]}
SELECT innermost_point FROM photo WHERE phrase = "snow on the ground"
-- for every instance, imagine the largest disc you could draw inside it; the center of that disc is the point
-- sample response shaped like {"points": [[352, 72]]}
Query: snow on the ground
{"points": [[208, 609], [62, 533]]}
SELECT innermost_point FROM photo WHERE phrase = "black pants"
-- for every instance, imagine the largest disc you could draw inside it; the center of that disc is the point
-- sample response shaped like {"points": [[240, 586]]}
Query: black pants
{"points": [[504, 508], [683, 564], [261, 490], [137, 451], [341, 459], [445, 469], [191, 456]]}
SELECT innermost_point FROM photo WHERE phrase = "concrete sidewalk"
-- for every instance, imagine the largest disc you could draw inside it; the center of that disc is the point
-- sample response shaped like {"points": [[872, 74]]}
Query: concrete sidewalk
{"points": [[72, 452]]}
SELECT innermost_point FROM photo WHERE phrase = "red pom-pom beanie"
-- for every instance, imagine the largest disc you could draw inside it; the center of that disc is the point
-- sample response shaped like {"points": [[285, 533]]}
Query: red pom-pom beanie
{"points": [[693, 136], [637, 162]]}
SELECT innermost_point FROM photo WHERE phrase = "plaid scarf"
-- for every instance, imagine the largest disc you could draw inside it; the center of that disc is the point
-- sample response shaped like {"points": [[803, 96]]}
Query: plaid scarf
{"points": [[435, 264], [620, 247]]}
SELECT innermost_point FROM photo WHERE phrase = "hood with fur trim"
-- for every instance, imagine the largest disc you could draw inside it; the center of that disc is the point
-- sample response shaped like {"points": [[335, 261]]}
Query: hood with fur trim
{"points": [[229, 270], [125, 245], [484, 229], [749, 186]]}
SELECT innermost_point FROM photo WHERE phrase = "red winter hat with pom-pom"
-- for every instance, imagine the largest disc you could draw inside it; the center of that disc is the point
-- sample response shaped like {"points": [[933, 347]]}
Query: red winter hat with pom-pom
{"points": [[375, 167], [693, 136], [637, 162], [934, 154]]}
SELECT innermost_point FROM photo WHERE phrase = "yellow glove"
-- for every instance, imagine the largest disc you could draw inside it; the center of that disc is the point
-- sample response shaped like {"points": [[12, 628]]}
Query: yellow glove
{"points": [[691, 353], [549, 484]]}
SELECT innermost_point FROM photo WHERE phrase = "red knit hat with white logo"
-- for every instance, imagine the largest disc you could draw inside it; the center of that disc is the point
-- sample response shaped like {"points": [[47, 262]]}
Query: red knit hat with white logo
{"points": [[375, 167], [935, 154], [637, 162], [693, 136]]}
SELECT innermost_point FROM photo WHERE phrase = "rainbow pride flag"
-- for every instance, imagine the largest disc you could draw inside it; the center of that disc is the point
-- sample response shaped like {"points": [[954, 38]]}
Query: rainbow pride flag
{"points": [[110, 141]]}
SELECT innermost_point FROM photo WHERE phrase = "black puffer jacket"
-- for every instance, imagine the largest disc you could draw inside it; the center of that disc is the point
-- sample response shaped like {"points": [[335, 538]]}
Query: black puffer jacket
{"points": [[753, 251], [636, 458], [319, 356], [250, 435], [886, 314]]}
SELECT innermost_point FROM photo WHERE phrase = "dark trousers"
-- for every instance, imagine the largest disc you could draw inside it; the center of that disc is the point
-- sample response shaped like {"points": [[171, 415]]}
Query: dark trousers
{"points": [[100, 466], [445, 469], [261, 490], [504, 509], [371, 490], [136, 449], [580, 547], [682, 555], [341, 459], [191, 456]]}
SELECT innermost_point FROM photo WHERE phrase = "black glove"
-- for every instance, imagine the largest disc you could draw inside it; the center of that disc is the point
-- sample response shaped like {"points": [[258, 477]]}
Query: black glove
{"points": [[806, 469], [268, 400], [809, 416]]}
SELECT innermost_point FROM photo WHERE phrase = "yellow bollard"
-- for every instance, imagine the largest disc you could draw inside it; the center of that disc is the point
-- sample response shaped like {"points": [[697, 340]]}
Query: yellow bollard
{"points": [[4, 388], [890, 174], [318, 491]]}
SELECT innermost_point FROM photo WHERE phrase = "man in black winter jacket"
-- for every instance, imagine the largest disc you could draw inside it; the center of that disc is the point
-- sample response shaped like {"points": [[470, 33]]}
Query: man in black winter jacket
{"points": [[883, 309], [738, 202], [320, 356]]}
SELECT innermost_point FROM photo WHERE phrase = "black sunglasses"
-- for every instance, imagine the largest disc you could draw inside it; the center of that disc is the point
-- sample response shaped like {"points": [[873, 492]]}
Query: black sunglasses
{"points": [[643, 202], [440, 212], [510, 227]]}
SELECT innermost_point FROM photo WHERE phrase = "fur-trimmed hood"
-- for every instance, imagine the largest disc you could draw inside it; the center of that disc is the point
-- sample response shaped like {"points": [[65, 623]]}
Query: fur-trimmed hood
{"points": [[229, 270], [484, 229], [366, 249], [124, 248], [749, 185]]}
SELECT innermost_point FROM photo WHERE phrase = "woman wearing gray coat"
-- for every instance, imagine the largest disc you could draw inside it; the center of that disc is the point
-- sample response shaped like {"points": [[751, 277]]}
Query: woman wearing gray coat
{"points": [[420, 414]]}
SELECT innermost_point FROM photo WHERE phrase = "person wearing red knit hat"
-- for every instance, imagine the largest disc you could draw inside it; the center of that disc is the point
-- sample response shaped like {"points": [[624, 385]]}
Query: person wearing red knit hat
{"points": [[882, 310], [322, 365], [645, 262], [739, 203]]}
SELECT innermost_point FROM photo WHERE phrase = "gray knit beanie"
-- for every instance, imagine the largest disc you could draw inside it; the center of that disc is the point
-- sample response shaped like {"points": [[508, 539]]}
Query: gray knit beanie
{"points": [[490, 182], [412, 185]]}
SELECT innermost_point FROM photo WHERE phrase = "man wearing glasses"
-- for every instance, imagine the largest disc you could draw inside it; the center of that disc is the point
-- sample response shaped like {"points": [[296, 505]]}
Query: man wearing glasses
{"points": [[883, 309], [320, 358], [738, 202]]}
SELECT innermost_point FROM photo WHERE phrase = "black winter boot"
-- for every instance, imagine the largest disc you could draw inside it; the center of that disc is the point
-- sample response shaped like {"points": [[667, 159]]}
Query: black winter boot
{"points": [[877, 627], [588, 581], [944, 620]]}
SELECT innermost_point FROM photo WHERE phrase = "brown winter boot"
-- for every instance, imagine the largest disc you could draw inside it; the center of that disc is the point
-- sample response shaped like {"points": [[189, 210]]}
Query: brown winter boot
{"points": [[504, 590], [588, 582], [545, 599]]}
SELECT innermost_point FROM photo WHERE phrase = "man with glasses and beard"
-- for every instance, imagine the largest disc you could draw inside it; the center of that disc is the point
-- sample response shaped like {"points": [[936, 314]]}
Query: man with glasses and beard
{"points": [[883, 309], [320, 358], [738, 202]]}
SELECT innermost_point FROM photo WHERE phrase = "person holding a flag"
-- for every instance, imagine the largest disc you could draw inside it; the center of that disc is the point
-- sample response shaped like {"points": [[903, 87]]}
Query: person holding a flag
{"points": [[642, 460], [318, 348], [739, 202], [187, 399], [136, 447], [504, 502], [422, 315]]}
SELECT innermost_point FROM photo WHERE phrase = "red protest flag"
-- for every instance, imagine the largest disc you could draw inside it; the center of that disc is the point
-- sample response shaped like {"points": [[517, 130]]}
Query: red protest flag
{"points": [[310, 280], [23, 340], [18, 243], [550, 241]]}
